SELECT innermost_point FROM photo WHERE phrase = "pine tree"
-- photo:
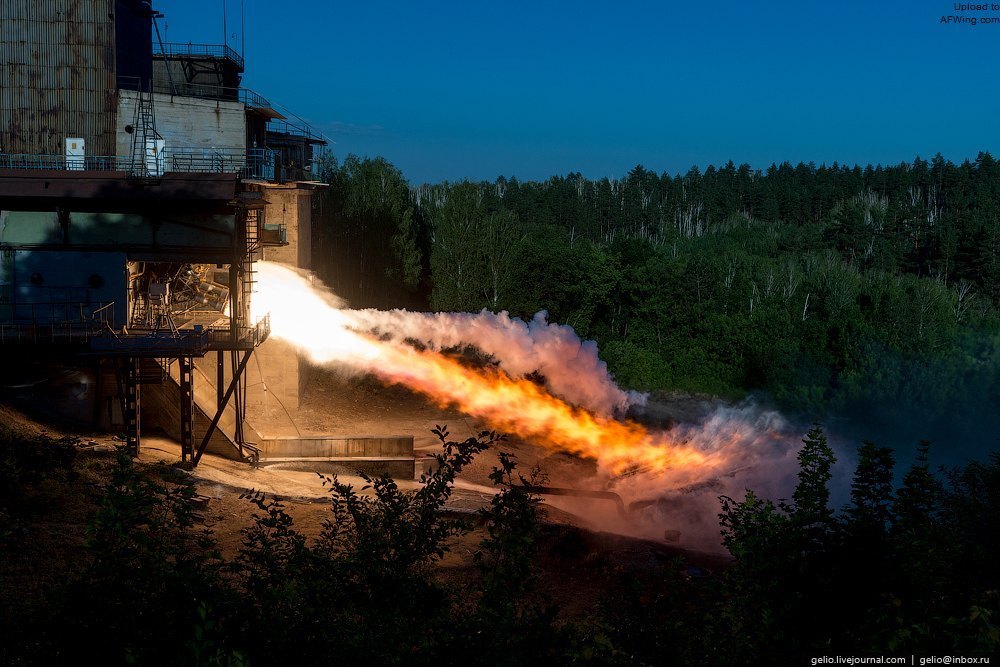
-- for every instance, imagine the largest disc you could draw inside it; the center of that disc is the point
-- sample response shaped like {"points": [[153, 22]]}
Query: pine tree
{"points": [[810, 501], [871, 490]]}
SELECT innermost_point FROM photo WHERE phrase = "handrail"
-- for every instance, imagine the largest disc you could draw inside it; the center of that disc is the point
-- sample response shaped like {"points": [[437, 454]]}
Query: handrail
{"points": [[248, 163], [64, 312], [206, 50], [62, 162], [64, 320], [296, 130]]}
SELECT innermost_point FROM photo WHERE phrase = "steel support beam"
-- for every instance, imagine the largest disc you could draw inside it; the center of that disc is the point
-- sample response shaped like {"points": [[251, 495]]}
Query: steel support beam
{"points": [[220, 377], [186, 372], [233, 384], [132, 405]]}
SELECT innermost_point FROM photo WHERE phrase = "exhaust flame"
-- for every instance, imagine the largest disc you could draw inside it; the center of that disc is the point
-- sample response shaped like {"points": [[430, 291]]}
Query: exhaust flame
{"points": [[314, 321], [572, 368]]}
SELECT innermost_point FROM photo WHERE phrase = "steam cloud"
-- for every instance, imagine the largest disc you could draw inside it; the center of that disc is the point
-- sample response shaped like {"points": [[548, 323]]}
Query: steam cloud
{"points": [[571, 367]]}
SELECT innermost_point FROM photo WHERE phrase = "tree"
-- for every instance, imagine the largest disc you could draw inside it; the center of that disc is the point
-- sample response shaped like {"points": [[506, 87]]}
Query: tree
{"points": [[456, 261], [369, 237], [811, 497], [499, 240], [871, 491]]}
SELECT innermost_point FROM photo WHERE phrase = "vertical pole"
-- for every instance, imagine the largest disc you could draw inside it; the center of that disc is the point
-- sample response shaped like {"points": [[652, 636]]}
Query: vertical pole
{"points": [[220, 377], [132, 405], [238, 399], [186, 371]]}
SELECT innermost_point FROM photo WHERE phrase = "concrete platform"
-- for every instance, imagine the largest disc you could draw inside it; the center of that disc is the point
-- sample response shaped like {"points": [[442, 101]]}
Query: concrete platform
{"points": [[371, 454], [396, 467], [336, 446]]}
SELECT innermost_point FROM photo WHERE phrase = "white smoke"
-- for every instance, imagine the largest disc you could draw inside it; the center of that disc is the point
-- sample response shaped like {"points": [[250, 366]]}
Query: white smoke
{"points": [[762, 448], [571, 367]]}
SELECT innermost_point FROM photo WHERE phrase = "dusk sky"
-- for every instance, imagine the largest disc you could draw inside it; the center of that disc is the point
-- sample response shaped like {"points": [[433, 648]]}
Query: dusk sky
{"points": [[453, 90]]}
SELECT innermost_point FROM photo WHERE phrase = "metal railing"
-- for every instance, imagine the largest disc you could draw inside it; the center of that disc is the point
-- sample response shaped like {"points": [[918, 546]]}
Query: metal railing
{"points": [[64, 322], [247, 337], [100, 313], [253, 163], [257, 163], [64, 163], [177, 50], [296, 129], [252, 99]]}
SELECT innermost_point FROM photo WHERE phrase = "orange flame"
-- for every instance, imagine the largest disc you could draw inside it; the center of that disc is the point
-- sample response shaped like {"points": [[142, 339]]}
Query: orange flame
{"points": [[312, 321], [522, 407]]}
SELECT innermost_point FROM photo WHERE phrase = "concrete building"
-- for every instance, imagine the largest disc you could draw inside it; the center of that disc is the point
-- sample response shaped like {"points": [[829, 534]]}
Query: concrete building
{"points": [[139, 184]]}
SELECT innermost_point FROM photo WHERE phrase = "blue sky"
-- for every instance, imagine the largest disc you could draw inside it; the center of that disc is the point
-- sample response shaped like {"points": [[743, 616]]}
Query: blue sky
{"points": [[453, 90]]}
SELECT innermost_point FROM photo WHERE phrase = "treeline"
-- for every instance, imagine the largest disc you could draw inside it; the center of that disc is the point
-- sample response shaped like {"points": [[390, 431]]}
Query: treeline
{"points": [[832, 288]]}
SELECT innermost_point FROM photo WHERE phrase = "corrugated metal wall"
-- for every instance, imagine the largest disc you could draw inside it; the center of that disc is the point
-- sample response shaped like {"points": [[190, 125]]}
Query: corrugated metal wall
{"points": [[58, 76]]}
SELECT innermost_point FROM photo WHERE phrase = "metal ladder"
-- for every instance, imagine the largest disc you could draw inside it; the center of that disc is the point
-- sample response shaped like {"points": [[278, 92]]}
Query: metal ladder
{"points": [[144, 135], [253, 250]]}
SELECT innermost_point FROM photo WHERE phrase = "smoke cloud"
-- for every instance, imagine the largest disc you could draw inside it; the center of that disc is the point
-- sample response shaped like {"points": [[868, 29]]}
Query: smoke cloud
{"points": [[760, 447], [571, 367]]}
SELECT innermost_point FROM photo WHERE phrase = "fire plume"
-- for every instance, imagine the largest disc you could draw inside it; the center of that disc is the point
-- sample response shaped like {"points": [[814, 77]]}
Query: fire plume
{"points": [[524, 408], [313, 321]]}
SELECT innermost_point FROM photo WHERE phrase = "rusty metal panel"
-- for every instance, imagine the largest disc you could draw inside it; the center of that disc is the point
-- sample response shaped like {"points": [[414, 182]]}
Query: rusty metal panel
{"points": [[58, 75]]}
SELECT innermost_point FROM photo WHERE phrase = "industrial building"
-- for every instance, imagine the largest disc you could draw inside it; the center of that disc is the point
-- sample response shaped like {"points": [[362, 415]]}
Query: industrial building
{"points": [[139, 184]]}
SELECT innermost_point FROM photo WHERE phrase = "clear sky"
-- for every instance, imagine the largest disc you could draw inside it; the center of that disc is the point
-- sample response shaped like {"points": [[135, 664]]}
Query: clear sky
{"points": [[452, 90]]}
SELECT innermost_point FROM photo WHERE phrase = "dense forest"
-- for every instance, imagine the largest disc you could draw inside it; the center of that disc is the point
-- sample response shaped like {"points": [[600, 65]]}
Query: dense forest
{"points": [[831, 290]]}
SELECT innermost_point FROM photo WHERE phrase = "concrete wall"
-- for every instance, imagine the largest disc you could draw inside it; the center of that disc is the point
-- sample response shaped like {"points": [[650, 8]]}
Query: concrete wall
{"points": [[277, 376], [187, 122], [160, 405], [272, 382], [386, 446], [290, 205]]}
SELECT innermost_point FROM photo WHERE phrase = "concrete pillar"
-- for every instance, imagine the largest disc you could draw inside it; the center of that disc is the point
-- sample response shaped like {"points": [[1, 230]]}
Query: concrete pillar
{"points": [[276, 375]]}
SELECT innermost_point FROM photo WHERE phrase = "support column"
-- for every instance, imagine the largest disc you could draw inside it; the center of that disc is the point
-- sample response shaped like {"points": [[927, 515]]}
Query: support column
{"points": [[186, 371], [238, 371], [220, 377], [239, 399], [132, 405]]}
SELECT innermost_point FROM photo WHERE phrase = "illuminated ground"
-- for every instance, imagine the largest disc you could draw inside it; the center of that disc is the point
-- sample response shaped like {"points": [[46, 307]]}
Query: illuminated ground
{"points": [[338, 405]]}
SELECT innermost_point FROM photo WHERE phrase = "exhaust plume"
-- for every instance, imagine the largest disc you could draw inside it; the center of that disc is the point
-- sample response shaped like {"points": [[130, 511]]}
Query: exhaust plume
{"points": [[572, 368], [314, 321]]}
